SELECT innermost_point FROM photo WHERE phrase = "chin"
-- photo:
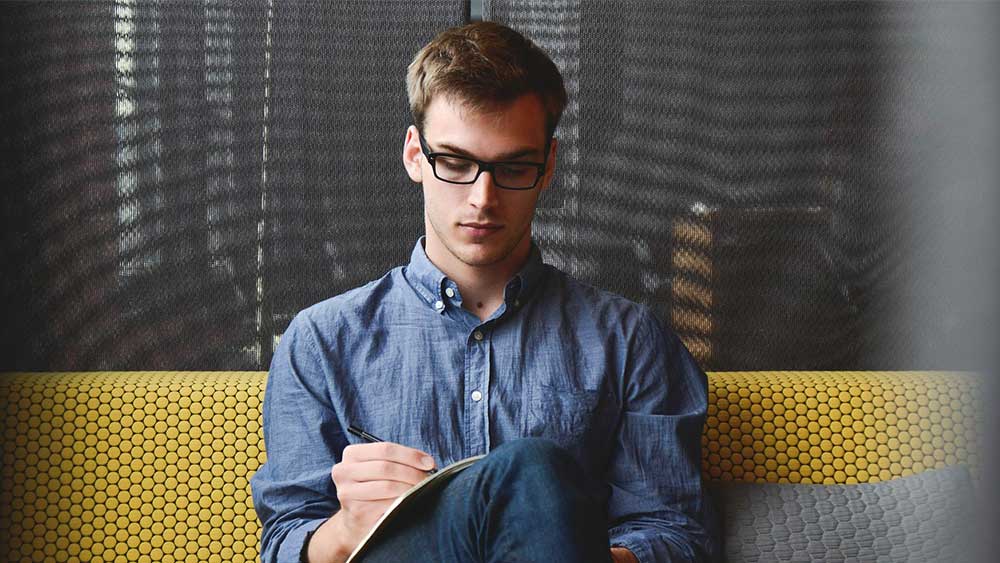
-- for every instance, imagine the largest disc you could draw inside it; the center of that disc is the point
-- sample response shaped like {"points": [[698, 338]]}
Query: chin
{"points": [[479, 256], [480, 259]]}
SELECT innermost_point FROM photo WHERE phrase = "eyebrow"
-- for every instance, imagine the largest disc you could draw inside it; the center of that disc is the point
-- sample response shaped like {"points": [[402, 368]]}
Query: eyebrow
{"points": [[502, 158]]}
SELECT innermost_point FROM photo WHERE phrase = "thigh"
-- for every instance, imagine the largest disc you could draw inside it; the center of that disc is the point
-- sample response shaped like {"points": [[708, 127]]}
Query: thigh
{"points": [[440, 526], [526, 501]]}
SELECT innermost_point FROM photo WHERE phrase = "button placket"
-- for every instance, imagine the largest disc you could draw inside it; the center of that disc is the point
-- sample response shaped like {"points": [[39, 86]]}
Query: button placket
{"points": [[476, 378], [477, 383]]}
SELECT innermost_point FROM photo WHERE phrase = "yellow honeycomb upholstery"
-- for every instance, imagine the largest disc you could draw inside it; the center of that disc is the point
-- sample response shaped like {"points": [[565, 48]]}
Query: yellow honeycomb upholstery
{"points": [[838, 427], [155, 466], [130, 466]]}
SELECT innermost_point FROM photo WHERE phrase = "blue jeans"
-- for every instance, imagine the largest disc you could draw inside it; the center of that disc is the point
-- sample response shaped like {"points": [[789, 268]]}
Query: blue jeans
{"points": [[524, 502]]}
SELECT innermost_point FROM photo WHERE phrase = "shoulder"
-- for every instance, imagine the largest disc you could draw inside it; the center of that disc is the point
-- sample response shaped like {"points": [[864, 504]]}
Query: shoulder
{"points": [[353, 307], [607, 310], [643, 345]]}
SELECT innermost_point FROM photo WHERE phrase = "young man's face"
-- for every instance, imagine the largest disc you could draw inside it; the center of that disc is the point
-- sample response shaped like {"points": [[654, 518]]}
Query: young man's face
{"points": [[479, 224]]}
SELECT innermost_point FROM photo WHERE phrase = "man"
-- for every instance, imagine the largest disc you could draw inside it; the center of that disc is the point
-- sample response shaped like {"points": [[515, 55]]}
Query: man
{"points": [[591, 412]]}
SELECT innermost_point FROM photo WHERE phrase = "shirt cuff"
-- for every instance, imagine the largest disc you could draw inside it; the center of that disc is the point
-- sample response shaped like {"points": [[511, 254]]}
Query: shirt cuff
{"points": [[292, 547]]}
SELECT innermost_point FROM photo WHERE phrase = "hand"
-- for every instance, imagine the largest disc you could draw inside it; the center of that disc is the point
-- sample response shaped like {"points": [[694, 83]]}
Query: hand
{"points": [[369, 478], [622, 555]]}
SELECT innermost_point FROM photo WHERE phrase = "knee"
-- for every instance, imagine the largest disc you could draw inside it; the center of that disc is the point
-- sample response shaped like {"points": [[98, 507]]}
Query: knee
{"points": [[537, 456], [540, 473]]}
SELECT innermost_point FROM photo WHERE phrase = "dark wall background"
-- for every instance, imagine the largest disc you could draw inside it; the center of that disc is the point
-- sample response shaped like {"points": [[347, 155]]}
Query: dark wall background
{"points": [[181, 178], [790, 185]]}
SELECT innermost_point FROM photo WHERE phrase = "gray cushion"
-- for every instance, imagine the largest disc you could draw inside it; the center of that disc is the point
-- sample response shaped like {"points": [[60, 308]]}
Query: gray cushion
{"points": [[922, 517]]}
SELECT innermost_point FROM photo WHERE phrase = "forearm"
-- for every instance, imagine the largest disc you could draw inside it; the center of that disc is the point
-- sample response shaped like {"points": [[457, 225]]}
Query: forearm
{"points": [[332, 542], [657, 504]]}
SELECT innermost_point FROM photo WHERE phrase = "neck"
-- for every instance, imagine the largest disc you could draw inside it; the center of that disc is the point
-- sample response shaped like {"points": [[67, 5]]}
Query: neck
{"points": [[482, 287]]}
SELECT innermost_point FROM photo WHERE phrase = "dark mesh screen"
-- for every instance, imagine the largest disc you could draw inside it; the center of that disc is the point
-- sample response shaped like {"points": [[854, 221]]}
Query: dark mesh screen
{"points": [[738, 166], [180, 179]]}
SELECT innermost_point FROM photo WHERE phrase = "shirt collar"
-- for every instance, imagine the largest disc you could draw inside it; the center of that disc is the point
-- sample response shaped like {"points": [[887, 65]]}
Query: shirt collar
{"points": [[431, 283], [530, 276]]}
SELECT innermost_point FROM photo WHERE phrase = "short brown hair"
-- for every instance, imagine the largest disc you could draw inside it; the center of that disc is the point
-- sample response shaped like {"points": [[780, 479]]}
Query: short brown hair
{"points": [[483, 65]]}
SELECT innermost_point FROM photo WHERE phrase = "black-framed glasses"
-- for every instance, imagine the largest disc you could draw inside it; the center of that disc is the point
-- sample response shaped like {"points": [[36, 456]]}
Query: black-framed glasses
{"points": [[458, 169]]}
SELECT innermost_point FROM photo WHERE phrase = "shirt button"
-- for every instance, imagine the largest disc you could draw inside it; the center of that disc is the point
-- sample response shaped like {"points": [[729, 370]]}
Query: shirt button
{"points": [[477, 335], [439, 305], [517, 303], [477, 396], [449, 292]]}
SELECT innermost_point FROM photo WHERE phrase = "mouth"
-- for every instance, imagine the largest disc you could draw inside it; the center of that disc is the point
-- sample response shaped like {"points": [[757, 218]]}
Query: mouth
{"points": [[479, 230]]}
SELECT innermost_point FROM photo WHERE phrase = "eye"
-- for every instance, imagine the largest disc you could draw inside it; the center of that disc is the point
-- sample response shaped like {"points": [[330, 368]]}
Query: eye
{"points": [[517, 170], [453, 164]]}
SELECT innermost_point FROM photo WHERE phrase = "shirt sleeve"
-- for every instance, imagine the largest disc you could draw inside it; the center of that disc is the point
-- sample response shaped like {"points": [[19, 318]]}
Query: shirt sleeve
{"points": [[293, 492], [657, 508]]}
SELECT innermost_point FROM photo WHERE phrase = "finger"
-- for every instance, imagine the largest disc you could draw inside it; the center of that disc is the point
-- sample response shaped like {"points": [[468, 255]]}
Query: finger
{"points": [[378, 470], [372, 491], [390, 452]]}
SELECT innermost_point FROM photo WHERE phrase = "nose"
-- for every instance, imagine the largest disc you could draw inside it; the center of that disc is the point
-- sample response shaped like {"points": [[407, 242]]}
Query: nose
{"points": [[483, 192]]}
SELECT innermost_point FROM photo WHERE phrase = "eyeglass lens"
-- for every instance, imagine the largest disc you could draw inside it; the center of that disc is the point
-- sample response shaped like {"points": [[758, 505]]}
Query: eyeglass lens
{"points": [[508, 175]]}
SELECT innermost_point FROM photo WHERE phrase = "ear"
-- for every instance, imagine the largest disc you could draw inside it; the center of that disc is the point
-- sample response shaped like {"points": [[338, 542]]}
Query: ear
{"points": [[412, 155], [550, 164]]}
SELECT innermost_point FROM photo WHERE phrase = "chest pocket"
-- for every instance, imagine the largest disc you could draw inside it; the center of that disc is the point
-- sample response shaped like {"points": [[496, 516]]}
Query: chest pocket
{"points": [[570, 417]]}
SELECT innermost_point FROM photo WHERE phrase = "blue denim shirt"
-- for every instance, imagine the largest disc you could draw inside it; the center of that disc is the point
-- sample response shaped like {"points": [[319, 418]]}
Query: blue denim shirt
{"points": [[402, 359]]}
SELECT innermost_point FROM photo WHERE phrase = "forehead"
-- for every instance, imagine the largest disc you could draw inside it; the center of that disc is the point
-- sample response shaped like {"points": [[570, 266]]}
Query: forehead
{"points": [[498, 129]]}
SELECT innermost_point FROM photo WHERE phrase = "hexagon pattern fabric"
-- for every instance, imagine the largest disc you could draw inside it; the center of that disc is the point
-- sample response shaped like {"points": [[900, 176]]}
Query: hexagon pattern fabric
{"points": [[839, 427], [924, 517], [155, 466], [130, 466]]}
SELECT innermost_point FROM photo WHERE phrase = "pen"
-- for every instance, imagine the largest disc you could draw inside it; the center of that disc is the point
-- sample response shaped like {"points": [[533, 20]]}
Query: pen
{"points": [[373, 438], [363, 435]]}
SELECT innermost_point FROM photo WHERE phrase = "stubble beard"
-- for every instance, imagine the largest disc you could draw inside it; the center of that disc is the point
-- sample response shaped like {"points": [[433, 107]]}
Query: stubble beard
{"points": [[491, 259]]}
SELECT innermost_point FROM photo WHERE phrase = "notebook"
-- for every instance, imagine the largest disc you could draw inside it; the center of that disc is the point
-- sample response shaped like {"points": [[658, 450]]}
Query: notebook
{"points": [[431, 483]]}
